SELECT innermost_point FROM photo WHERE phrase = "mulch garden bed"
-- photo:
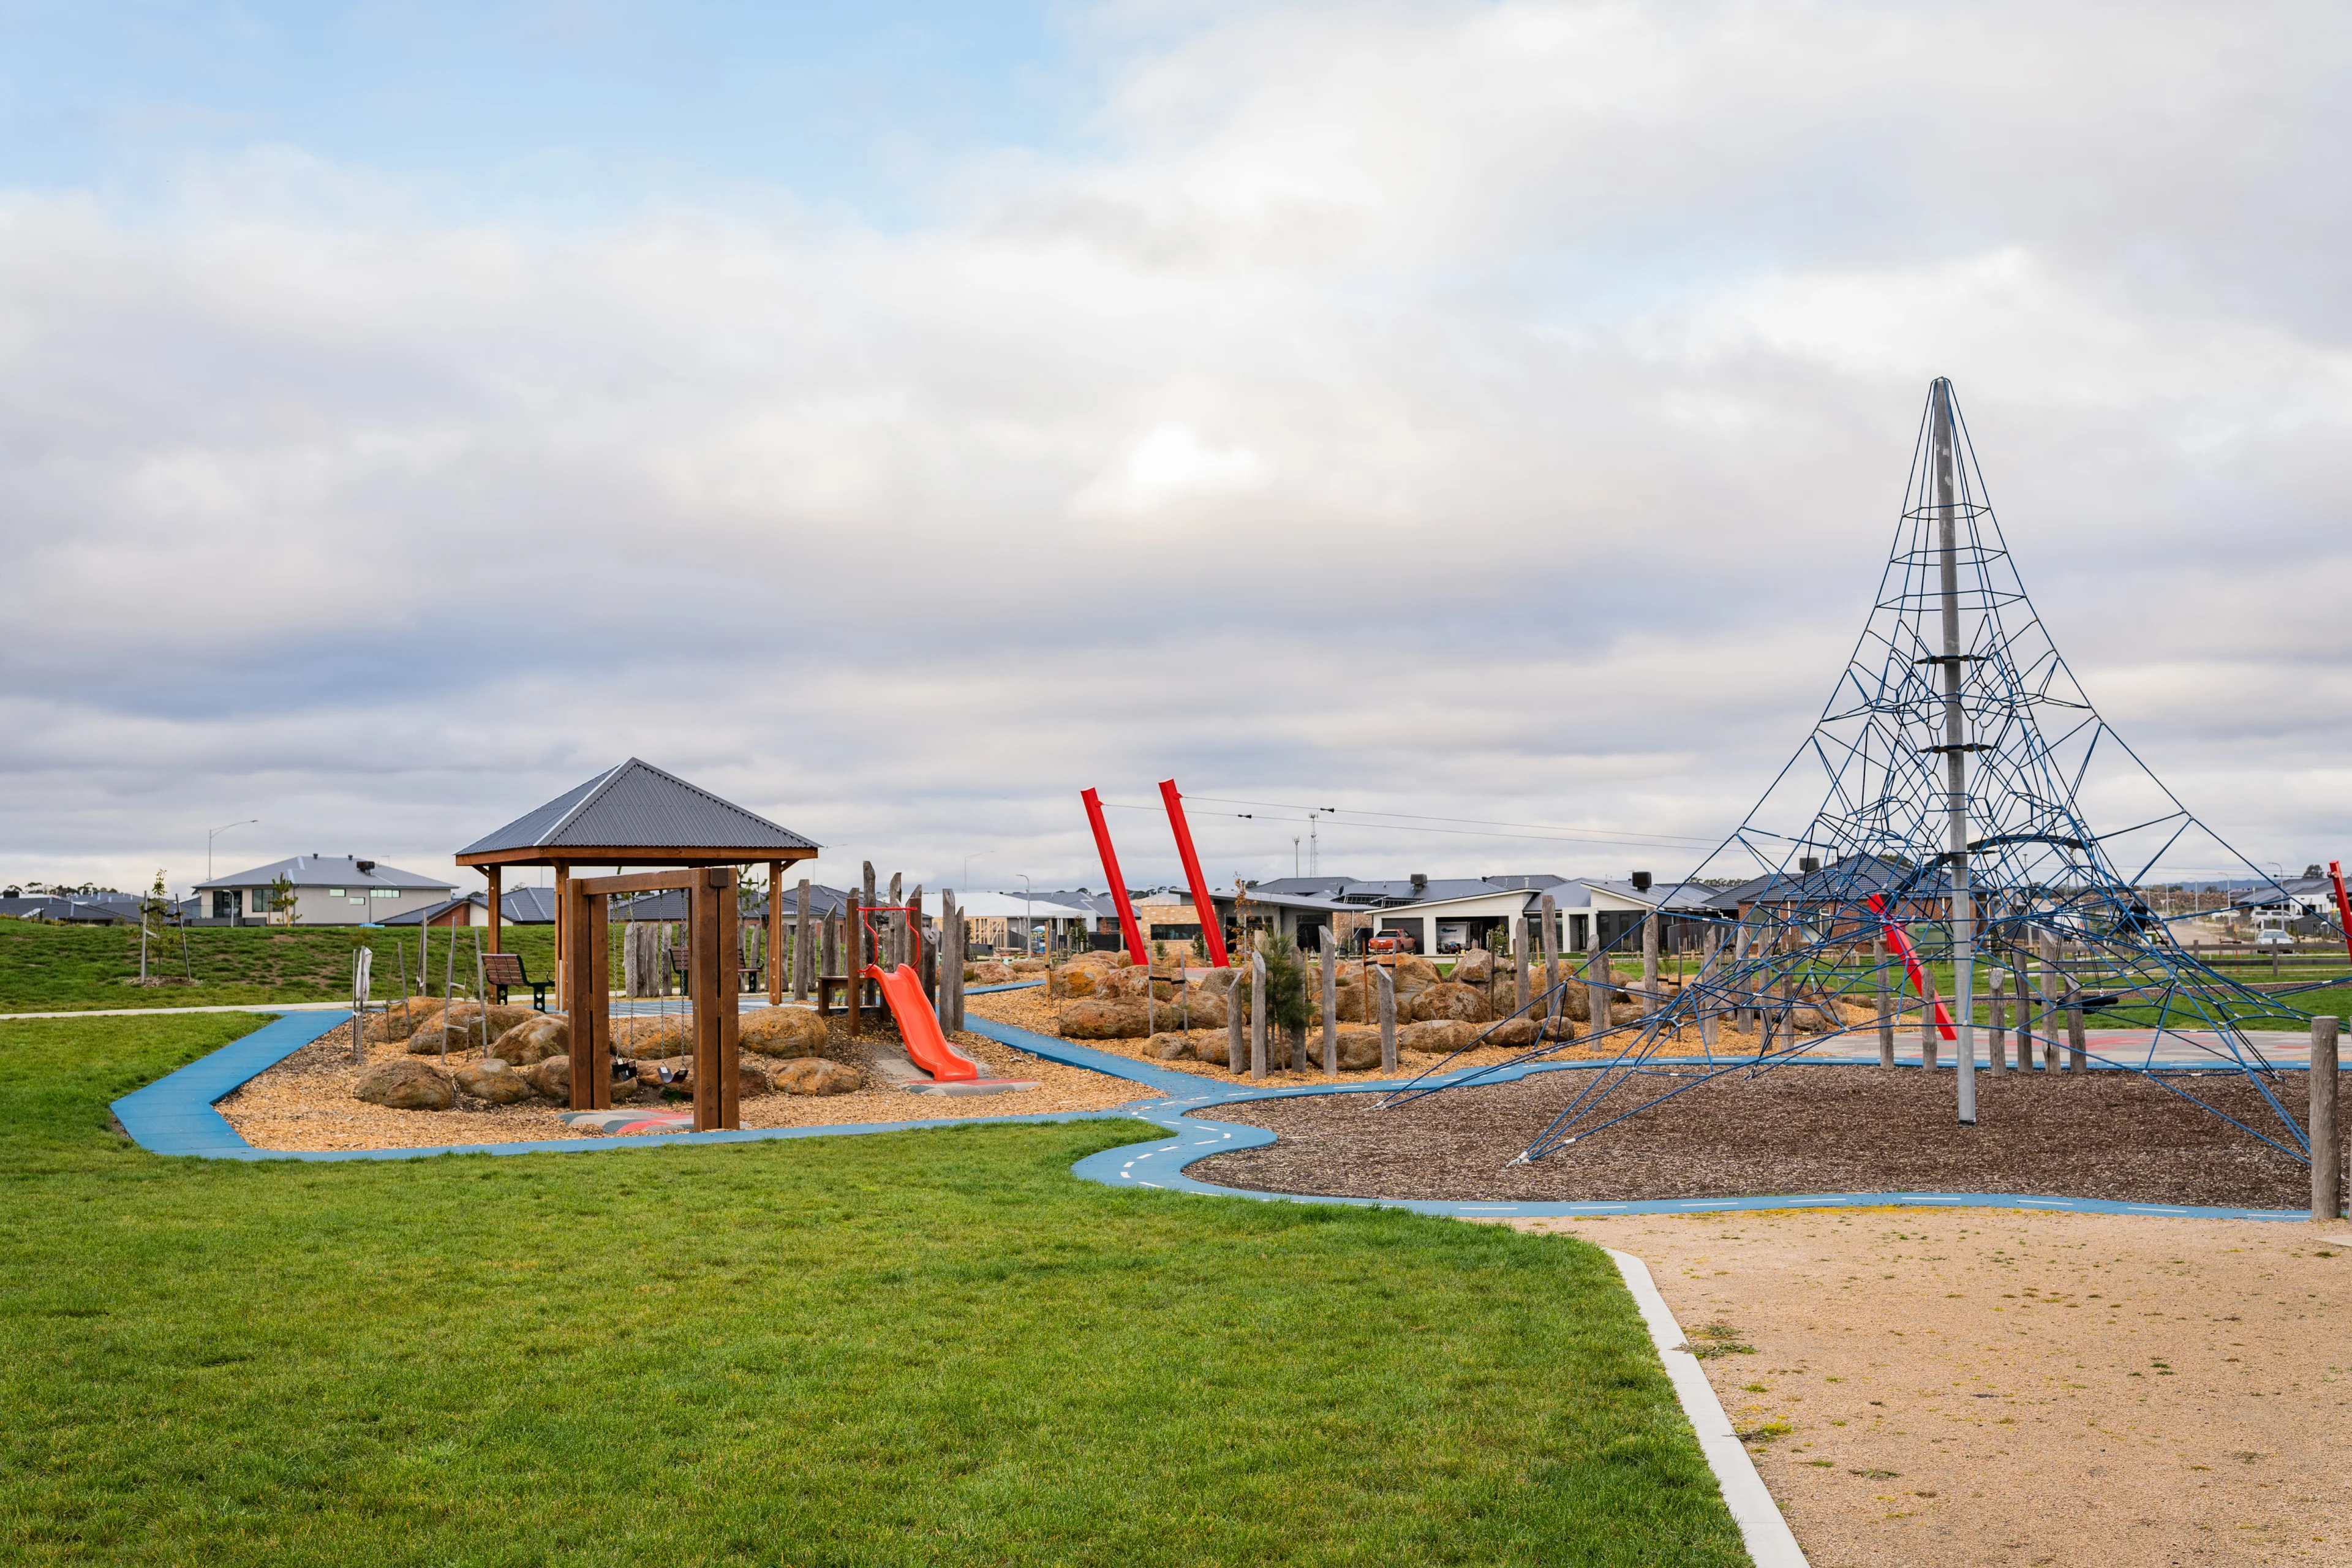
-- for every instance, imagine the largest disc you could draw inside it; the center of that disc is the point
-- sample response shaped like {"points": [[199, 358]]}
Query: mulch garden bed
{"points": [[1797, 1129]]}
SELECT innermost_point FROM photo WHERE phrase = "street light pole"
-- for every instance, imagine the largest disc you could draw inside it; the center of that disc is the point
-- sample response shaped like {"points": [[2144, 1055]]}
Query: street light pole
{"points": [[1028, 919], [215, 833]]}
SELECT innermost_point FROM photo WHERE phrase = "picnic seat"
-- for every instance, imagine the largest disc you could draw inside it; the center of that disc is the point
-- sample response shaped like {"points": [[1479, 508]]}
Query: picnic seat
{"points": [[500, 970], [747, 975]]}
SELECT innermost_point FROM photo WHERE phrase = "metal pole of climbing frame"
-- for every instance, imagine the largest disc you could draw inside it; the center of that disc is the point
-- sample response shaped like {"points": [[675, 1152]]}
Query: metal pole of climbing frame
{"points": [[1213, 934], [1110, 874], [1955, 782]]}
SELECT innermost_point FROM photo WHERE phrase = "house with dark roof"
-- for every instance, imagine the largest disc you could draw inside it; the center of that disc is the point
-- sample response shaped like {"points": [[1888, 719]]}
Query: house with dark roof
{"points": [[326, 891]]}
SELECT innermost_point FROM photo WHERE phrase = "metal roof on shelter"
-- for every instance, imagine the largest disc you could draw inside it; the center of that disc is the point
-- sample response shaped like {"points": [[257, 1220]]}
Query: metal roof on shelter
{"points": [[638, 806]]}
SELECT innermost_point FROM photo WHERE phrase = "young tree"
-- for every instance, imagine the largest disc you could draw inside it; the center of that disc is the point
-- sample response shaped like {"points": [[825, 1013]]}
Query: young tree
{"points": [[282, 898], [153, 910]]}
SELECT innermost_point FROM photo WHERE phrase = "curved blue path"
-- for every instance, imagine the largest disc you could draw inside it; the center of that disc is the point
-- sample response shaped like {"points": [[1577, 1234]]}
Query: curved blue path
{"points": [[175, 1115]]}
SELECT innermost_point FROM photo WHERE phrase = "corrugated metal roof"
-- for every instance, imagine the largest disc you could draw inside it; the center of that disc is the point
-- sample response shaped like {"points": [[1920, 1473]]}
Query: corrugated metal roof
{"points": [[638, 805], [435, 911], [329, 872]]}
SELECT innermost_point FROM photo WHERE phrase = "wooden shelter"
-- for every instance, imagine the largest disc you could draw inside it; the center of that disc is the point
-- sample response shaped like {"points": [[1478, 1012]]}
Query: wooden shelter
{"points": [[637, 815]]}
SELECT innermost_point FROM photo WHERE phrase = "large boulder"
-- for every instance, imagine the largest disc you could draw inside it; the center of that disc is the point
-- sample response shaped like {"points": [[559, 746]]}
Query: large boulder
{"points": [[652, 1035], [783, 1032], [1413, 971], [399, 1019], [1217, 981], [1474, 967], [1203, 1008], [462, 1021], [815, 1075], [1463, 1003], [493, 1080], [1070, 981], [1171, 1048], [552, 1080], [1436, 1037], [1026, 965], [406, 1084], [1359, 1050], [1104, 1021], [752, 1081], [1515, 1034], [987, 973], [542, 1036]]}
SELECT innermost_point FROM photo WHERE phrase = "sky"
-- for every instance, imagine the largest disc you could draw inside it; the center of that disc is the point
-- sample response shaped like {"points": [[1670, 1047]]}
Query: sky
{"points": [[1488, 421]]}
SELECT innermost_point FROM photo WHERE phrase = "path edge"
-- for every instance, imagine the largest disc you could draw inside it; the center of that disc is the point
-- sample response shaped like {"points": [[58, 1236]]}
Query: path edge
{"points": [[1763, 1528]]}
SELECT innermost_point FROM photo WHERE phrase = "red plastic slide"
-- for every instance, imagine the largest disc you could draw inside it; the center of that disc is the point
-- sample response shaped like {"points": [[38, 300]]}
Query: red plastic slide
{"points": [[1897, 939], [918, 1025]]}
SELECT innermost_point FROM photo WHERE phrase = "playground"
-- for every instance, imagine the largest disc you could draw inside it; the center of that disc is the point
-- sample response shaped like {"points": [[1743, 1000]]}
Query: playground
{"points": [[805, 1163]]}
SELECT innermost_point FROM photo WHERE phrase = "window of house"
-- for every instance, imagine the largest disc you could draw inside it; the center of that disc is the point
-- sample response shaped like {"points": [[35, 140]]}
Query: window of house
{"points": [[335, 893], [223, 903], [261, 900], [384, 892]]}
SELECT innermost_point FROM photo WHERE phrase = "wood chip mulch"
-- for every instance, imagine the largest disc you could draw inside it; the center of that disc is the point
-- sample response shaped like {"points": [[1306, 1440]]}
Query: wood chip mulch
{"points": [[1798, 1128], [305, 1102]]}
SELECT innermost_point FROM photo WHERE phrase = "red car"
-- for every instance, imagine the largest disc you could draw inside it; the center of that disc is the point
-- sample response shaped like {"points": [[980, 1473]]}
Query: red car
{"points": [[1391, 941]]}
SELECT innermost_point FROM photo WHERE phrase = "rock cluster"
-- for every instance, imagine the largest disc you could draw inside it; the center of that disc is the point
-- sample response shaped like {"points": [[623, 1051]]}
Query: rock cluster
{"points": [[532, 1058]]}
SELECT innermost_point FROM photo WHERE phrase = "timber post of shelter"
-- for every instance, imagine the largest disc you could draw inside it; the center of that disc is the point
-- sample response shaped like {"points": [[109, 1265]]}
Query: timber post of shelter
{"points": [[777, 947], [713, 932]]}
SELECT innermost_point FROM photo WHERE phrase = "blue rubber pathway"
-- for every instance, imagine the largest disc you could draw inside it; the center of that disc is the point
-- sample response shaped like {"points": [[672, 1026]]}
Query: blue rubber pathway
{"points": [[175, 1115]]}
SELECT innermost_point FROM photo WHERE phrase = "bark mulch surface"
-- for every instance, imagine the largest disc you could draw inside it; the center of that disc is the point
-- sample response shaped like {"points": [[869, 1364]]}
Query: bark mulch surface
{"points": [[1800, 1128]]}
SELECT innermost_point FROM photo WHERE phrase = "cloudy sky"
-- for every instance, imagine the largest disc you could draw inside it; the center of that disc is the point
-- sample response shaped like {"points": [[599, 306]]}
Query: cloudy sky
{"points": [[899, 417]]}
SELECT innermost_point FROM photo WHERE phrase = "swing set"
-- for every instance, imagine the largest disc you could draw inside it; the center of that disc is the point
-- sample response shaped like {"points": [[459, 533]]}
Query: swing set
{"points": [[713, 935]]}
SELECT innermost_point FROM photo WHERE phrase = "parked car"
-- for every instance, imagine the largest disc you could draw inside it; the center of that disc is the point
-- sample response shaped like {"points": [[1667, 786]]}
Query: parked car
{"points": [[2271, 935], [1391, 941]]}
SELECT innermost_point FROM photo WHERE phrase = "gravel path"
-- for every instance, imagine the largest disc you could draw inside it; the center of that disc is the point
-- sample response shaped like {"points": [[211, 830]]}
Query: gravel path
{"points": [[1809, 1129], [1942, 1389]]}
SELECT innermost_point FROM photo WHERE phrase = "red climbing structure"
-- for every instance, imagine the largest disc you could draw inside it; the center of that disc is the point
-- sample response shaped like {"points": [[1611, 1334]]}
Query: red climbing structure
{"points": [[1211, 932], [1135, 948]]}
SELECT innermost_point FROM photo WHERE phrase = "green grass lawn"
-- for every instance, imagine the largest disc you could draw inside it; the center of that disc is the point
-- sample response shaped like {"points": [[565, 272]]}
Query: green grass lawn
{"points": [[62, 968], [915, 1348]]}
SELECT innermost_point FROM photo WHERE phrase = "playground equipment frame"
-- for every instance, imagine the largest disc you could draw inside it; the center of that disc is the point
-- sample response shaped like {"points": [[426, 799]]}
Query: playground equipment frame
{"points": [[712, 937]]}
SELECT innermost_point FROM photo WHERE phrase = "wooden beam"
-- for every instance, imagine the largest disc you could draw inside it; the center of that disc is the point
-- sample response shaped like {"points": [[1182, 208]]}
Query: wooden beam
{"points": [[646, 882], [776, 948], [496, 877], [563, 927]]}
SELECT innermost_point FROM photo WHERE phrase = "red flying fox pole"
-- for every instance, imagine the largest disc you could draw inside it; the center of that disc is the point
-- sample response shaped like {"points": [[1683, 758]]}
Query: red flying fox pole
{"points": [[2343, 905], [1202, 905], [1110, 871]]}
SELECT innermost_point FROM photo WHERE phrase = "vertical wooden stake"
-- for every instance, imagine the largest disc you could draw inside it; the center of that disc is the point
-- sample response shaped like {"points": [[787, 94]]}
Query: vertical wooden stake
{"points": [[2327, 1139], [1549, 909], [894, 943], [1596, 990], [2078, 1056], [1388, 1021], [1706, 972], [1996, 984], [1650, 962], [1885, 1005], [1330, 1005], [1519, 963], [803, 966], [1236, 1051], [2046, 983], [1257, 1014]]}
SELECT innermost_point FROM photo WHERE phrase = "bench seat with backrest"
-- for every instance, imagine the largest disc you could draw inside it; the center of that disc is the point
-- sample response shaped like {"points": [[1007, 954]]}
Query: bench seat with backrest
{"points": [[747, 975], [502, 970]]}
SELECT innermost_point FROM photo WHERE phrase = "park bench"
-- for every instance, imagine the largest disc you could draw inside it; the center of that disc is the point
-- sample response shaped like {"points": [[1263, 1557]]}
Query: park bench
{"points": [[502, 970], [747, 975]]}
